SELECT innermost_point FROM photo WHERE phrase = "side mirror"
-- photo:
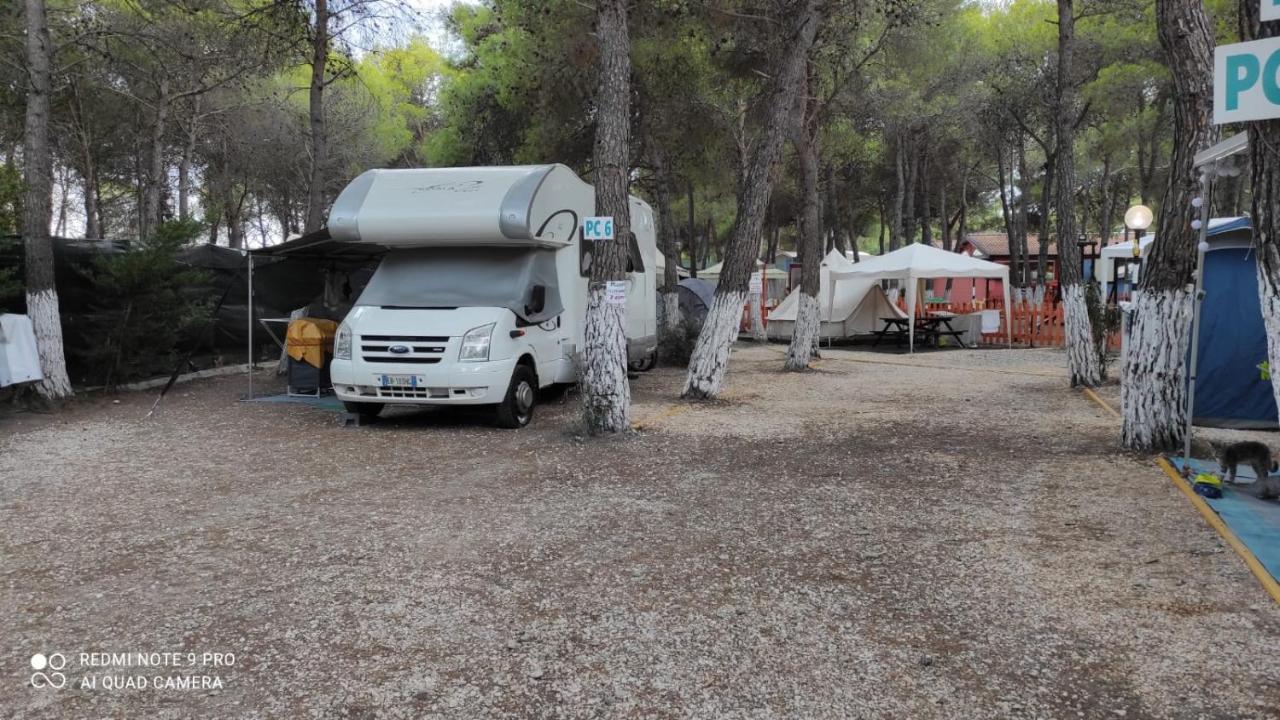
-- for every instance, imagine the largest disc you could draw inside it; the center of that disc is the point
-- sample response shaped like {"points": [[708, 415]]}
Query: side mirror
{"points": [[537, 300]]}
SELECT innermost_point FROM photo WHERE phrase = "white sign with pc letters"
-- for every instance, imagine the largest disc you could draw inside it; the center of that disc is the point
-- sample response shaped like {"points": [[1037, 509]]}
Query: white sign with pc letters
{"points": [[1246, 80], [597, 228]]}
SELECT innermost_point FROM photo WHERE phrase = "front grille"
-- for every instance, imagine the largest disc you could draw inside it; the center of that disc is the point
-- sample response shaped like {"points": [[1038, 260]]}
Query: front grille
{"points": [[406, 359], [377, 349], [406, 338], [407, 392], [416, 348]]}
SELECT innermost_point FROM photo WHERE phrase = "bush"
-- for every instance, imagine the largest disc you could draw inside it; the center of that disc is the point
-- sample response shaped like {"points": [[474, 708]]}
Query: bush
{"points": [[1105, 320], [144, 306], [10, 219], [10, 284], [676, 348]]}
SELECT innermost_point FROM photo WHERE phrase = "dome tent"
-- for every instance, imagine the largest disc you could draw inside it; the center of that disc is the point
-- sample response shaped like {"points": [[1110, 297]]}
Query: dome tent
{"points": [[850, 308], [695, 297], [1231, 390]]}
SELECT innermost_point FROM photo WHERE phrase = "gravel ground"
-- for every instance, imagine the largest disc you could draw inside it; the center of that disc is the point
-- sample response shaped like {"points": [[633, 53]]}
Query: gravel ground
{"points": [[948, 535]]}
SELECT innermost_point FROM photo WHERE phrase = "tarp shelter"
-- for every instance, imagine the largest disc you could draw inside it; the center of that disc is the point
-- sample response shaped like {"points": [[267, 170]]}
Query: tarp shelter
{"points": [[322, 261], [1105, 268], [854, 307], [695, 296], [1230, 389], [917, 262]]}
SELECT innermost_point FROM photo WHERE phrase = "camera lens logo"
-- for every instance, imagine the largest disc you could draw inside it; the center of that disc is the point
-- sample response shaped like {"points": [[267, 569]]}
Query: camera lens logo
{"points": [[51, 679]]}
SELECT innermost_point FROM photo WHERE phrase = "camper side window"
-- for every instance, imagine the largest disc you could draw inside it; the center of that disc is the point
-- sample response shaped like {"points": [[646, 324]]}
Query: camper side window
{"points": [[635, 261], [587, 250]]}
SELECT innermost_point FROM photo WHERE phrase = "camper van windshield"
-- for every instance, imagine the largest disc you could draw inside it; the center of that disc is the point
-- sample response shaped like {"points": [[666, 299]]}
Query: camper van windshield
{"points": [[468, 277]]}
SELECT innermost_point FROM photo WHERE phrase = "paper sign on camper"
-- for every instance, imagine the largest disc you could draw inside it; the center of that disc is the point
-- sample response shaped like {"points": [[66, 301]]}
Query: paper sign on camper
{"points": [[615, 292]]}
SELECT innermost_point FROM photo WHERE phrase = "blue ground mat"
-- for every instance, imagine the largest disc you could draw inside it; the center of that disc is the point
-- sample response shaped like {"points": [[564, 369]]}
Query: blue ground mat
{"points": [[325, 402], [1256, 522]]}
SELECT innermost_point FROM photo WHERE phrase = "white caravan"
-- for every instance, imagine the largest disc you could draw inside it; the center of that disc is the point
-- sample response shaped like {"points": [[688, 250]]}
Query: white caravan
{"points": [[481, 297]]}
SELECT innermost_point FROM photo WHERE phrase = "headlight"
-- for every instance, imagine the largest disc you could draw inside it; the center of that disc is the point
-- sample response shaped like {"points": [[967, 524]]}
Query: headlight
{"points": [[475, 344], [342, 343]]}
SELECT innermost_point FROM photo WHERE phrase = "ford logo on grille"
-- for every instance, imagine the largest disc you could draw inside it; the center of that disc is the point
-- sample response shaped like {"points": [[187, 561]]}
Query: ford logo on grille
{"points": [[398, 349]]}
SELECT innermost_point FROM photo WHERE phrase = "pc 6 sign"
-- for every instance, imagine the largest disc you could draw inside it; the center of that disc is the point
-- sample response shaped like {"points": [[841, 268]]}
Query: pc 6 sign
{"points": [[1246, 80], [597, 228]]}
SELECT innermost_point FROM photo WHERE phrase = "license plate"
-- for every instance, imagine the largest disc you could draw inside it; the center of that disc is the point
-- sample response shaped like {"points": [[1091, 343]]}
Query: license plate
{"points": [[390, 381]]}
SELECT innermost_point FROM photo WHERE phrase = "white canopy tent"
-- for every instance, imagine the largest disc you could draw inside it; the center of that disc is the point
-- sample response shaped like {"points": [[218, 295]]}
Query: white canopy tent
{"points": [[1119, 252], [854, 308], [916, 262]]}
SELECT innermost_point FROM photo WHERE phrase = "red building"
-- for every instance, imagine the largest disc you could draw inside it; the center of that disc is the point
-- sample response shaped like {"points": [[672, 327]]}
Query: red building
{"points": [[993, 246]]}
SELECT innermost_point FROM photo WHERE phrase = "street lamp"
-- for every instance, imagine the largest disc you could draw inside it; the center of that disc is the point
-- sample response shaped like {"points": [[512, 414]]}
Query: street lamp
{"points": [[1138, 218]]}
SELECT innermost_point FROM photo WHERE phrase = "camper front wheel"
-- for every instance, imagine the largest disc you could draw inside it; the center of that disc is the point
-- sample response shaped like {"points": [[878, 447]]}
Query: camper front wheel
{"points": [[646, 363], [516, 409]]}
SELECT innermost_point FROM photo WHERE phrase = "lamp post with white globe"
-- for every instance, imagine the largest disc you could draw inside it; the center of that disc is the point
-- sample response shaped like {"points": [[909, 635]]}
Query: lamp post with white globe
{"points": [[1137, 219]]}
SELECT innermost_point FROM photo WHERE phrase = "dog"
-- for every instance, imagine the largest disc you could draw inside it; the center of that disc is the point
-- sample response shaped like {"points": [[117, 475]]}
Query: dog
{"points": [[1255, 455]]}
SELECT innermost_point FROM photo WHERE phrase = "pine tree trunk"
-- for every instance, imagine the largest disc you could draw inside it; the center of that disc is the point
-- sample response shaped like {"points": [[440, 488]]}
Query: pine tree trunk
{"points": [[1083, 364], [1264, 152], [1046, 193], [1153, 377], [880, 210], [926, 210], [895, 230], [606, 393], [319, 138], [184, 165], [1023, 224], [92, 220], [756, 311], [837, 219], [807, 327], [909, 212], [693, 232], [156, 175], [42, 295], [945, 220], [710, 359], [1010, 232], [668, 293]]}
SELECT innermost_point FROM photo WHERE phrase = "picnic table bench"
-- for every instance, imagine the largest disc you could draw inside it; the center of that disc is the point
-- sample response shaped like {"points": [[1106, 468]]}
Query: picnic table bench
{"points": [[928, 328]]}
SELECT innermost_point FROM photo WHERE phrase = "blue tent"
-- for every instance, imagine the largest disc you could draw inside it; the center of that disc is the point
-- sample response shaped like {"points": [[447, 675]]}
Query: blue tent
{"points": [[1230, 389]]}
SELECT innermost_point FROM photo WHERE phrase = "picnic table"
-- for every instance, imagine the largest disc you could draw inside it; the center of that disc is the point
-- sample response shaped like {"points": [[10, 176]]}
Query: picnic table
{"points": [[928, 328]]}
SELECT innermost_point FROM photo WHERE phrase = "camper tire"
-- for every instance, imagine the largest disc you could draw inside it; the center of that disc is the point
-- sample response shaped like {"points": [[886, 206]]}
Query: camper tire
{"points": [[516, 409], [366, 410], [646, 363]]}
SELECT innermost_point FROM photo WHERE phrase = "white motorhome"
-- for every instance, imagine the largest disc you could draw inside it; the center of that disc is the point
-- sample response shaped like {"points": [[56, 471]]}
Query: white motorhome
{"points": [[481, 296]]}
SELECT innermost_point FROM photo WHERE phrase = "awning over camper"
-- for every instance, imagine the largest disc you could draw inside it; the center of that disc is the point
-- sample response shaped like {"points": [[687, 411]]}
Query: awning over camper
{"points": [[321, 245], [917, 262]]}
